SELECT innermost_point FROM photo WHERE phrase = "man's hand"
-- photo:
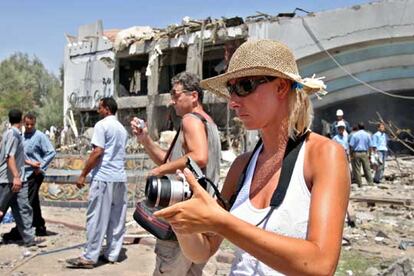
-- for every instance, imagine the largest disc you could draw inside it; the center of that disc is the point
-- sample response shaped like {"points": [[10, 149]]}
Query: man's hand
{"points": [[155, 172], [17, 184], [139, 129], [80, 183]]}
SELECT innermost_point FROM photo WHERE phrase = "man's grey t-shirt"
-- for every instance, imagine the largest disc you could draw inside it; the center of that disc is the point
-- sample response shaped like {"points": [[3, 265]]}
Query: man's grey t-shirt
{"points": [[212, 170], [110, 135], [11, 145]]}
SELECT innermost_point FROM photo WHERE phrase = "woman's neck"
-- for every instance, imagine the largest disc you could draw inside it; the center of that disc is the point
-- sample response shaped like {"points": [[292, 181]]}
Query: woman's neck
{"points": [[275, 141]]}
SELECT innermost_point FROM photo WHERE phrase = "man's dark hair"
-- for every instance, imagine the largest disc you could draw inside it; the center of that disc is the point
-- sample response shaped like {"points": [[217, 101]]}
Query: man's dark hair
{"points": [[30, 115], [15, 116], [361, 125], [380, 124], [110, 103], [190, 82]]}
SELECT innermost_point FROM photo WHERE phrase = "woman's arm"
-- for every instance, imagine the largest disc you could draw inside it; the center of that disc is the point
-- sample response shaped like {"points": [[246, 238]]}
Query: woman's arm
{"points": [[199, 246]]}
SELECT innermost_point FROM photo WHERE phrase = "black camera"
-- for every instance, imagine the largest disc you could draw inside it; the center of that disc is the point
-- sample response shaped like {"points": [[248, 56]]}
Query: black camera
{"points": [[164, 191]]}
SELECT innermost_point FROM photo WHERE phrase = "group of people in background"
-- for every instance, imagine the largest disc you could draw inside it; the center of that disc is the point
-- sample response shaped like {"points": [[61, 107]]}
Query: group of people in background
{"points": [[364, 151], [24, 159]]}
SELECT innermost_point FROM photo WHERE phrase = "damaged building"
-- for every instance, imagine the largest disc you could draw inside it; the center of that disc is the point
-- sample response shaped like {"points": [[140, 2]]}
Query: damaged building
{"points": [[365, 52]]}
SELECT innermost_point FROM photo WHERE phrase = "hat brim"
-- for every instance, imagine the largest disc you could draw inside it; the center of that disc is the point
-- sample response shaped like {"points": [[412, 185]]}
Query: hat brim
{"points": [[218, 85]]}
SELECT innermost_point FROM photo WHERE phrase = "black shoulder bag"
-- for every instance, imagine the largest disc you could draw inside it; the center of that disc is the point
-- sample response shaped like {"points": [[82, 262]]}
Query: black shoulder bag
{"points": [[143, 214]]}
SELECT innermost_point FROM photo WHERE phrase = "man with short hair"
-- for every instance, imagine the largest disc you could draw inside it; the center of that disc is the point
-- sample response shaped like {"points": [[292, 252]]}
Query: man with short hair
{"points": [[199, 139], [13, 191], [107, 201], [361, 144], [334, 125], [379, 144], [341, 138], [39, 152]]}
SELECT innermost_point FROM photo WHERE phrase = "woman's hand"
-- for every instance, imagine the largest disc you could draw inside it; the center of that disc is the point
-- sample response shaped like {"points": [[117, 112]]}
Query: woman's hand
{"points": [[199, 214]]}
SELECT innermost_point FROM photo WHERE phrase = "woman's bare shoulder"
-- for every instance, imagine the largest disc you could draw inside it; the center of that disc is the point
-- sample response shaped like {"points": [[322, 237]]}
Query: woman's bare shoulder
{"points": [[319, 145], [323, 155]]}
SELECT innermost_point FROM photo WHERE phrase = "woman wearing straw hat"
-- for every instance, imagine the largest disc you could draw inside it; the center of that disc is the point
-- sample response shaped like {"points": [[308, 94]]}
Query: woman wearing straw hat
{"points": [[283, 219]]}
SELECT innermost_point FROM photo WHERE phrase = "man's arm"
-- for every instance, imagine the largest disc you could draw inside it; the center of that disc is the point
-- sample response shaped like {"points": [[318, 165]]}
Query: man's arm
{"points": [[48, 153], [11, 165], [151, 148], [91, 163]]}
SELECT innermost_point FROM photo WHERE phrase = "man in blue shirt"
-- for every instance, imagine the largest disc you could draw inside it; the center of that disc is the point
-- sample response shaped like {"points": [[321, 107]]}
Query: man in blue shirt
{"points": [[107, 200], [39, 153], [334, 125], [379, 143], [13, 188], [360, 145], [341, 138]]}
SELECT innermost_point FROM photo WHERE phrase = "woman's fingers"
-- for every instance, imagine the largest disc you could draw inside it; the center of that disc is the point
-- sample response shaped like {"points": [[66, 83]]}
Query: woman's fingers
{"points": [[167, 213], [192, 181]]}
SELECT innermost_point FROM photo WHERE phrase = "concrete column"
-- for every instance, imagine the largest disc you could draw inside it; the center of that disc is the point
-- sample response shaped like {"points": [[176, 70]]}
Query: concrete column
{"points": [[152, 114]]}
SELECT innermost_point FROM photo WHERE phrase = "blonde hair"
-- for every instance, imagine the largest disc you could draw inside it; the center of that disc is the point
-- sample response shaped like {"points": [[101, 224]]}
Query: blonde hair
{"points": [[300, 112]]}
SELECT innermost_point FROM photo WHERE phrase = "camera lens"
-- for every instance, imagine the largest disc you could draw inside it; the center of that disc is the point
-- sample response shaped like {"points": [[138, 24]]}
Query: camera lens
{"points": [[158, 191], [163, 191]]}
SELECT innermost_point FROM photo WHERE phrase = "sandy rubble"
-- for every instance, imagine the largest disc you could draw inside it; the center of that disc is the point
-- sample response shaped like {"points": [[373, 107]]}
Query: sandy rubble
{"points": [[382, 236]]}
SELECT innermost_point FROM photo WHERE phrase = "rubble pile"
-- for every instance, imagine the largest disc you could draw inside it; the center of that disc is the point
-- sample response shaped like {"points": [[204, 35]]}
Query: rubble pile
{"points": [[384, 225]]}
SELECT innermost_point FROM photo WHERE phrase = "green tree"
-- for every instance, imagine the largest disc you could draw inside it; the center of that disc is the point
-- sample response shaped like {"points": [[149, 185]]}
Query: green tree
{"points": [[26, 84]]}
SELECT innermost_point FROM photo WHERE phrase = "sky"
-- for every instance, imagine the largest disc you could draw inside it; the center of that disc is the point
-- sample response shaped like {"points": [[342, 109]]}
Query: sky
{"points": [[37, 27]]}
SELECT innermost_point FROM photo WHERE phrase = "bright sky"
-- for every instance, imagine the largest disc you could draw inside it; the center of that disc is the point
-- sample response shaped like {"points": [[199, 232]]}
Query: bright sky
{"points": [[38, 27]]}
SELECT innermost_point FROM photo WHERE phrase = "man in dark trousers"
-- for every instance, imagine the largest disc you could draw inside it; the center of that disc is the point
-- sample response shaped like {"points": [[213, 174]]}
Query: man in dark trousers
{"points": [[13, 191], [39, 153], [361, 145]]}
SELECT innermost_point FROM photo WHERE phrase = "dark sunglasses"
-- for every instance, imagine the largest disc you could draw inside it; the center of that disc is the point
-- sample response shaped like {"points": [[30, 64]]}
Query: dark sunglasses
{"points": [[244, 87]]}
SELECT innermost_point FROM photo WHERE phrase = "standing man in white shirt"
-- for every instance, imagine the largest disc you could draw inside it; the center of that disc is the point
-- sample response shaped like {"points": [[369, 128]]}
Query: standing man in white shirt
{"points": [[379, 145], [107, 201]]}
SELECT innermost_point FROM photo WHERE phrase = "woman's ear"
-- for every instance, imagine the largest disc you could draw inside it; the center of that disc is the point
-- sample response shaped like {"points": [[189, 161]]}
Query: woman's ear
{"points": [[284, 87]]}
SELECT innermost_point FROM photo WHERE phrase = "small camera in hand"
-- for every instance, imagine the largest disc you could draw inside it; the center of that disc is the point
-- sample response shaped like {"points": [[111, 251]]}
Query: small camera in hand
{"points": [[164, 191]]}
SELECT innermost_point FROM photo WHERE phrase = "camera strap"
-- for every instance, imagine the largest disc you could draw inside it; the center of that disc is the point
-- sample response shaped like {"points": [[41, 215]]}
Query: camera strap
{"points": [[291, 154]]}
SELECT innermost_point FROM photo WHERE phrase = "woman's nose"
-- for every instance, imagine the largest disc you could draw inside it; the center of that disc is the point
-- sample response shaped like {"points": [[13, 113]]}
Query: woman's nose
{"points": [[234, 101]]}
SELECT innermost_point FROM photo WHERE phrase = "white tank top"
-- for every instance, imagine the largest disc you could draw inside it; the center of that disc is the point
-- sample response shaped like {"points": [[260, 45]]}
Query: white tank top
{"points": [[290, 219]]}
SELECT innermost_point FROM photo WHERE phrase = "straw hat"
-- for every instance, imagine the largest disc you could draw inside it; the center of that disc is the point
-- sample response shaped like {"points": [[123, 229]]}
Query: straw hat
{"points": [[263, 58]]}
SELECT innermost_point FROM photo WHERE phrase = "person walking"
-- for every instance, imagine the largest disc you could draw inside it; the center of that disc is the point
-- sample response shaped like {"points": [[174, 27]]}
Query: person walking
{"points": [[13, 190], [107, 201], [40, 152]]}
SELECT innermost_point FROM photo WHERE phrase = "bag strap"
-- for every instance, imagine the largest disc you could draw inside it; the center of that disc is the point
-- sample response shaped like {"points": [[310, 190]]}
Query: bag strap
{"points": [[243, 175], [291, 154], [289, 160], [198, 115], [171, 146]]}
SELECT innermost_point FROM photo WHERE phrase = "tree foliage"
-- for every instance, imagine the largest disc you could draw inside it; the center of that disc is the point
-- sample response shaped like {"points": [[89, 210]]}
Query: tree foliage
{"points": [[26, 84]]}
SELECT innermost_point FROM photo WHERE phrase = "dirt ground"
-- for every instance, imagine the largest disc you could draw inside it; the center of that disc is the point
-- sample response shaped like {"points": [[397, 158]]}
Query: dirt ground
{"points": [[65, 226], [369, 248]]}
